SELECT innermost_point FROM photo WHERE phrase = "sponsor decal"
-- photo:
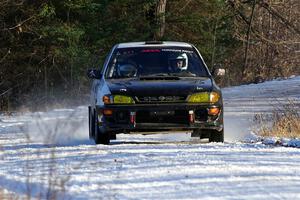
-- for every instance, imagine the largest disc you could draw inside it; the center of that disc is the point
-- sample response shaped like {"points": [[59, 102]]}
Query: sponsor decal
{"points": [[178, 50]]}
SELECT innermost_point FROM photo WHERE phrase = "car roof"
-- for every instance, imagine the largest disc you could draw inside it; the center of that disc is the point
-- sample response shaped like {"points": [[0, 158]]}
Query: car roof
{"points": [[153, 44]]}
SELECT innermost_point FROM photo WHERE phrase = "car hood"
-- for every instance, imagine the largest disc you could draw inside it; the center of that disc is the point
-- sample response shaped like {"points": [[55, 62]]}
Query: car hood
{"points": [[136, 87]]}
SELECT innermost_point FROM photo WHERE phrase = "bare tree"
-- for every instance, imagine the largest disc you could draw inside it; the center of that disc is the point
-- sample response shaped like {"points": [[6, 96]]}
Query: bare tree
{"points": [[248, 35], [270, 36], [161, 19]]}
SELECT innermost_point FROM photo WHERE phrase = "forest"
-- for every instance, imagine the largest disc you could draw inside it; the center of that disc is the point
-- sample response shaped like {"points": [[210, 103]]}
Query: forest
{"points": [[46, 46]]}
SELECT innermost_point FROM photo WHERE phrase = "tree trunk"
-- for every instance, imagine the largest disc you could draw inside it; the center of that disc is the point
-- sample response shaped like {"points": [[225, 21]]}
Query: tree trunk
{"points": [[248, 38], [161, 19]]}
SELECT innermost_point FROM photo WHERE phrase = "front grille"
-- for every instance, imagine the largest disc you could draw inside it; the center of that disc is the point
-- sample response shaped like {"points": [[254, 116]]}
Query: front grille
{"points": [[161, 99], [177, 117]]}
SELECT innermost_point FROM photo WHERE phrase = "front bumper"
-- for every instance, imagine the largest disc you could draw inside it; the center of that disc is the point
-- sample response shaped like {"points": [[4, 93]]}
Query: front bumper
{"points": [[152, 117]]}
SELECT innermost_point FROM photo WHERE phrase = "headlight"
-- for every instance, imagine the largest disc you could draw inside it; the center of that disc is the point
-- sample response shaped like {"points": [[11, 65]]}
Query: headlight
{"points": [[204, 97], [117, 99]]}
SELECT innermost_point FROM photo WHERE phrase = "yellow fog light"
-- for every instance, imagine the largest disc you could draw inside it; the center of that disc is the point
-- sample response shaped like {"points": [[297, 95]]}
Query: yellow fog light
{"points": [[121, 99], [199, 98], [204, 97]]}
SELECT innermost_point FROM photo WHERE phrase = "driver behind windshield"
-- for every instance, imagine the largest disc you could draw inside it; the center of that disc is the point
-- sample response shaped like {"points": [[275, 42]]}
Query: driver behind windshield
{"points": [[179, 65], [136, 62]]}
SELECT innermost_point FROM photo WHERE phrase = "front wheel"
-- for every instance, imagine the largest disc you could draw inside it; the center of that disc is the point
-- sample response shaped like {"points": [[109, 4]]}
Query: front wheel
{"points": [[101, 136], [91, 123], [212, 135], [216, 136]]}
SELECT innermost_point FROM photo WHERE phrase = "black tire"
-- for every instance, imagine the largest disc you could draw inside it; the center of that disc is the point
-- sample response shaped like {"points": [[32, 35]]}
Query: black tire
{"points": [[212, 135], [201, 133], [113, 136], [196, 133], [91, 123], [216, 136], [101, 137]]}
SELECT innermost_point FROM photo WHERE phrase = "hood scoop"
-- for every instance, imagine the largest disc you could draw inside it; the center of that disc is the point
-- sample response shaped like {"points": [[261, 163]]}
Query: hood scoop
{"points": [[154, 78]]}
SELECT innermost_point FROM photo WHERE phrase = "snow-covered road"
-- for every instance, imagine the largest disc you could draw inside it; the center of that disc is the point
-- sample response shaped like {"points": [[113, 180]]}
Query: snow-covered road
{"points": [[164, 166]]}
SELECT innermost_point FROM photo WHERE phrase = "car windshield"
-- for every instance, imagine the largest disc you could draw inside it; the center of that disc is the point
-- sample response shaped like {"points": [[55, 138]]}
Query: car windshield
{"points": [[152, 62]]}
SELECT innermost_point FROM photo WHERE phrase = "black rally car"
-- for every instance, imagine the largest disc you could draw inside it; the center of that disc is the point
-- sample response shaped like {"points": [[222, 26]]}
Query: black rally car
{"points": [[154, 86]]}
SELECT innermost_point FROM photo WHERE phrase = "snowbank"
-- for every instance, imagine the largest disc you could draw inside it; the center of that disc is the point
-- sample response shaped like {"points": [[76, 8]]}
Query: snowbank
{"points": [[286, 142]]}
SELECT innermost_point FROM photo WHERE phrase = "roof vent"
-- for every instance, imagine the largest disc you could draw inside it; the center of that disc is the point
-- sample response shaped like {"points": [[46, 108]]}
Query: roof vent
{"points": [[153, 42]]}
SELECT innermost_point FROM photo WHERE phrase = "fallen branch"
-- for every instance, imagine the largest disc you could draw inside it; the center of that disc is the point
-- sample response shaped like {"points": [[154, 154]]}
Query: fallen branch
{"points": [[19, 24]]}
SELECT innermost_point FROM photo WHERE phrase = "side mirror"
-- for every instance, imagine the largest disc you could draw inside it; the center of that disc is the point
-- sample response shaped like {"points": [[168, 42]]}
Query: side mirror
{"points": [[218, 72], [94, 74]]}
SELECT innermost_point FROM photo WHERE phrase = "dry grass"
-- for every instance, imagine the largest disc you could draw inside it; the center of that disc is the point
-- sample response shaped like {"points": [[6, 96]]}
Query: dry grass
{"points": [[283, 122]]}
